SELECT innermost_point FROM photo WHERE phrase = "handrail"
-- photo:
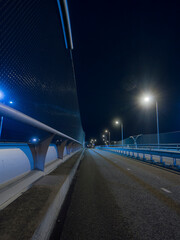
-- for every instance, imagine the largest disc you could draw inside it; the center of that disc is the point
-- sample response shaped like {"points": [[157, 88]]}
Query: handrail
{"points": [[19, 116], [150, 152], [66, 25], [150, 146], [161, 153]]}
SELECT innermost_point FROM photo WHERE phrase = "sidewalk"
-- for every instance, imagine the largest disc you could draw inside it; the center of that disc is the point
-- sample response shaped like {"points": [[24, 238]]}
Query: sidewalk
{"points": [[12, 190], [22, 218]]}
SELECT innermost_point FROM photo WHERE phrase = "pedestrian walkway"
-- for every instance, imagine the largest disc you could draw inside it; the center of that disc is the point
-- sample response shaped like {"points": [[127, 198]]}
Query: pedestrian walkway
{"points": [[21, 218]]}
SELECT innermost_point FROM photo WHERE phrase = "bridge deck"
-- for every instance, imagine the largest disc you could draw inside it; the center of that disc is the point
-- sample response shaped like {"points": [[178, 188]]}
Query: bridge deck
{"points": [[21, 218], [120, 198]]}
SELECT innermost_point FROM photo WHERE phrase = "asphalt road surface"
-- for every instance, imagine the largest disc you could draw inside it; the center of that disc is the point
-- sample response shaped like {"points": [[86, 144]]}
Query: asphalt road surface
{"points": [[121, 198]]}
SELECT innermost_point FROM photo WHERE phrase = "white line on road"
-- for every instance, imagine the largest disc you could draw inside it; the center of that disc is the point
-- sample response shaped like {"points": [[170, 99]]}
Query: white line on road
{"points": [[165, 190], [128, 169]]}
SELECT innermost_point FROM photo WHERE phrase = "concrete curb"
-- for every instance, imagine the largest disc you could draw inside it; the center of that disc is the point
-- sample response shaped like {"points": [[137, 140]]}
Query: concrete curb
{"points": [[45, 228], [15, 189]]}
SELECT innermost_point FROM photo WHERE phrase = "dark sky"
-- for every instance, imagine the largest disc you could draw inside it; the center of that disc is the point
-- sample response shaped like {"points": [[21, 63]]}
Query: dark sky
{"points": [[121, 49]]}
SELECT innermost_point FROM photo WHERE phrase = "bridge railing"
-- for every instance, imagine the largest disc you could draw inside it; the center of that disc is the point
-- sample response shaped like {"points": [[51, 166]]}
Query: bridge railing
{"points": [[173, 146], [157, 156], [17, 158]]}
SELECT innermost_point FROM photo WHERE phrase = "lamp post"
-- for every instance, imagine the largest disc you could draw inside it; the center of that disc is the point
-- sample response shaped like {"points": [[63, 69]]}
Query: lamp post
{"points": [[135, 138], [93, 142], [117, 123], [147, 99], [106, 131], [157, 122], [1, 126], [2, 118]]}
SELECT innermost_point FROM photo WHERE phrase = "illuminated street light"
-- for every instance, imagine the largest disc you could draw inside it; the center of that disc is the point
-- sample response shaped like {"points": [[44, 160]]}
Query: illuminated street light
{"points": [[147, 99], [106, 131], [1, 125], [10, 102], [117, 123], [92, 141]]}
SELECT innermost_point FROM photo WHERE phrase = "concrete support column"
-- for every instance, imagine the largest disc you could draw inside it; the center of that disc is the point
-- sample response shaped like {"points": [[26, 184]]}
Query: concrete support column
{"points": [[75, 147], [39, 151], [60, 148], [69, 147]]}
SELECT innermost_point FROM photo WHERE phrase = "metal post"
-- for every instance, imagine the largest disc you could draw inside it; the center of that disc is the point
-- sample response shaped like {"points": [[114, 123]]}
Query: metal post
{"points": [[157, 121], [1, 126], [122, 132], [109, 138]]}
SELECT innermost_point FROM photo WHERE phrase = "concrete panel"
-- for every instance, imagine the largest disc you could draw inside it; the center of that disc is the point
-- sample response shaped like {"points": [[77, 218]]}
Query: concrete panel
{"points": [[65, 151], [15, 160], [52, 154]]}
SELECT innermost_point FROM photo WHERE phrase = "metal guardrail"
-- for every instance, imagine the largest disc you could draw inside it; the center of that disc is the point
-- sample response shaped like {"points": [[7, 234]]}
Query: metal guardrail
{"points": [[21, 117], [173, 146], [130, 152]]}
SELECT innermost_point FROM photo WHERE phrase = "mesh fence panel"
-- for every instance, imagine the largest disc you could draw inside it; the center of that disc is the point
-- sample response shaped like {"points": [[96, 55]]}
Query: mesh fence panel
{"points": [[36, 69], [165, 138]]}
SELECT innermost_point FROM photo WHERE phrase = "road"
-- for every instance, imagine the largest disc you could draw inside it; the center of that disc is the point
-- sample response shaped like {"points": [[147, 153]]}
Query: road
{"points": [[121, 198]]}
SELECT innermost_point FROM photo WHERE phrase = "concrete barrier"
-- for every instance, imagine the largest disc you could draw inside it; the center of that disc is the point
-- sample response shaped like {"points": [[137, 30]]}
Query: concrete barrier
{"points": [[45, 228], [51, 154], [15, 160]]}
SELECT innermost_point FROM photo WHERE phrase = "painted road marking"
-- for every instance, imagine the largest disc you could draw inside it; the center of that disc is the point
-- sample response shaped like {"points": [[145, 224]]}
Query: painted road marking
{"points": [[165, 190], [128, 169], [156, 192]]}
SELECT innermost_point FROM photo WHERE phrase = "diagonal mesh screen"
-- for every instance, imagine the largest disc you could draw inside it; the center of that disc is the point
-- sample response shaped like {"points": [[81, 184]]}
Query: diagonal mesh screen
{"points": [[36, 69]]}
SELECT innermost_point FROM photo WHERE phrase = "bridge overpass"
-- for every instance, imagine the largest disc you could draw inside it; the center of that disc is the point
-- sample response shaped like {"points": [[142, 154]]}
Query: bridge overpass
{"points": [[51, 187], [95, 194]]}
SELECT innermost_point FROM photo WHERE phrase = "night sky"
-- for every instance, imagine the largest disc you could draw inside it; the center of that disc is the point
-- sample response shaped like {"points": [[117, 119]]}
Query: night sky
{"points": [[121, 49]]}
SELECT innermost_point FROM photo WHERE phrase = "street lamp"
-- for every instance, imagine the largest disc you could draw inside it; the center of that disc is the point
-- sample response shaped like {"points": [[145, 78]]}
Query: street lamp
{"points": [[135, 138], [117, 123], [1, 125], [2, 96], [148, 99], [92, 141], [106, 131]]}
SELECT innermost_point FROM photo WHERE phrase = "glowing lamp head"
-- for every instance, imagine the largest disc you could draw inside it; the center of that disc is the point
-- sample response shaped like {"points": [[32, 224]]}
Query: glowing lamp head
{"points": [[147, 99], [116, 122], [106, 131], [10, 102], [34, 140]]}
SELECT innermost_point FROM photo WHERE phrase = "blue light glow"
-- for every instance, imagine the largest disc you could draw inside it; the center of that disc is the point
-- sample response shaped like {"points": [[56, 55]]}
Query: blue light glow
{"points": [[62, 21], [1, 95], [11, 102], [34, 140]]}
